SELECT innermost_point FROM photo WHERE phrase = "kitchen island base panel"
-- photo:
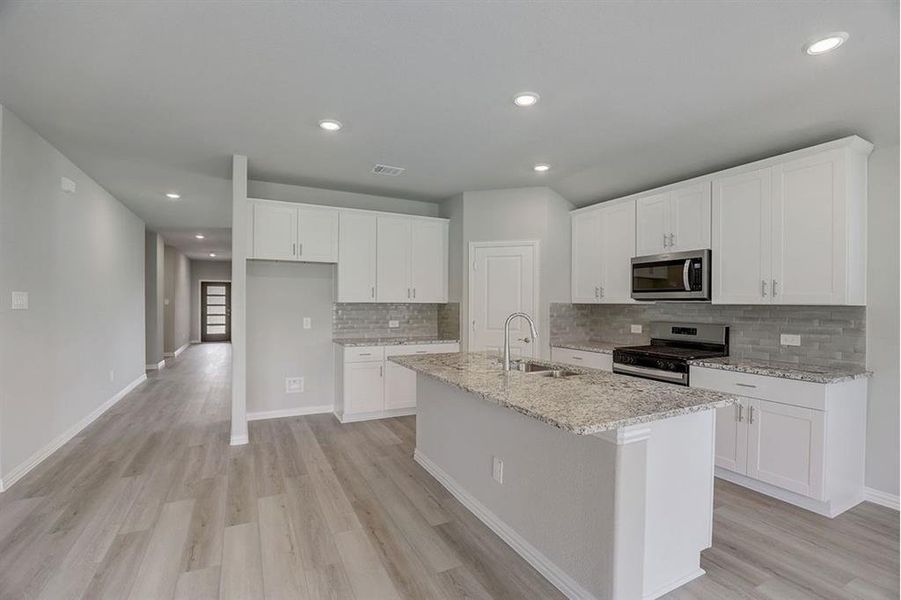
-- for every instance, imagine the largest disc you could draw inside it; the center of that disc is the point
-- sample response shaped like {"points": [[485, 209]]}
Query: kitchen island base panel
{"points": [[620, 515]]}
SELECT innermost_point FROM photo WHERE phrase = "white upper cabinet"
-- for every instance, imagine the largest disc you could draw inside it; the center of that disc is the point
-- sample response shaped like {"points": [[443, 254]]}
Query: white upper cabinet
{"points": [[793, 232], [674, 221], [603, 241], [356, 257], [428, 267], [274, 231], [287, 231], [317, 234], [741, 238], [587, 266], [393, 259]]}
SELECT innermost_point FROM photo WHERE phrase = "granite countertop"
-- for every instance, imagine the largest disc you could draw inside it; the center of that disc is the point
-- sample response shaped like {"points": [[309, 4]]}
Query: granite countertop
{"points": [[783, 370], [589, 402], [588, 346], [393, 340]]}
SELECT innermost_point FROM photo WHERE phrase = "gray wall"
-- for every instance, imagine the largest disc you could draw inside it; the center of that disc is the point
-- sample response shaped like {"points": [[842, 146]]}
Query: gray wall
{"points": [[279, 296], [154, 261], [176, 301], [882, 320], [309, 195], [80, 257], [205, 270], [535, 213]]}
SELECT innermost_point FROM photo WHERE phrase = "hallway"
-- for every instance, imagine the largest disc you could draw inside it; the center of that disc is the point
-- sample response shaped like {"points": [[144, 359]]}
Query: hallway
{"points": [[151, 503]]}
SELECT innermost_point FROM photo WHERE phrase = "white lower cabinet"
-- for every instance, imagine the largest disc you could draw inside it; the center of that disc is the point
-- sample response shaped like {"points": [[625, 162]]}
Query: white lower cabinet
{"points": [[582, 358], [370, 386], [801, 442]]}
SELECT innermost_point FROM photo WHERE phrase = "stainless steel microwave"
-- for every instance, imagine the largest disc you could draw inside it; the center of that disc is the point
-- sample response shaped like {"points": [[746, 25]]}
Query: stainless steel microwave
{"points": [[676, 276]]}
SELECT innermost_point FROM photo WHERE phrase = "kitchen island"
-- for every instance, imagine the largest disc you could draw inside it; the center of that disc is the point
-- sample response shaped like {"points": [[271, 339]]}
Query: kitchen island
{"points": [[603, 482]]}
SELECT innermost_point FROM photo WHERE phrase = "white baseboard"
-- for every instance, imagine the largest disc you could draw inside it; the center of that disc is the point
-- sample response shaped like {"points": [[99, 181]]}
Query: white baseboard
{"points": [[156, 367], [290, 412], [379, 414], [177, 352], [238, 440], [881, 498], [673, 585], [35, 459], [558, 578], [195, 341]]}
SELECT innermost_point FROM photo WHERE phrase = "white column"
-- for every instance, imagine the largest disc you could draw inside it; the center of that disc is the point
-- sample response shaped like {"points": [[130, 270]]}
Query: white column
{"points": [[240, 230]]}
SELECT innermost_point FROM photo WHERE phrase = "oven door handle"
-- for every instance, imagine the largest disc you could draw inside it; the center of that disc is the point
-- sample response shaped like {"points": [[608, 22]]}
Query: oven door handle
{"points": [[634, 370], [685, 281]]}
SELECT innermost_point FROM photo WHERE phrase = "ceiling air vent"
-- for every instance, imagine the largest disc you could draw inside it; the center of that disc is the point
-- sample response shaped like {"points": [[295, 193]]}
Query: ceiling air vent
{"points": [[387, 170]]}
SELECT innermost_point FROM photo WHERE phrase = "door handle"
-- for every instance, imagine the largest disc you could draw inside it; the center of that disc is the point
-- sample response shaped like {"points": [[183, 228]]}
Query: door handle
{"points": [[685, 281]]}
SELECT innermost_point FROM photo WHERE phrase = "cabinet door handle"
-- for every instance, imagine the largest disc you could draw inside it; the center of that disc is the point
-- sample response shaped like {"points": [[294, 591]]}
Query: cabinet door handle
{"points": [[597, 294], [747, 385], [665, 243], [672, 239], [372, 292], [576, 357], [751, 415], [300, 250], [602, 291], [763, 288], [408, 293], [293, 249], [739, 416], [774, 287], [381, 371], [414, 293]]}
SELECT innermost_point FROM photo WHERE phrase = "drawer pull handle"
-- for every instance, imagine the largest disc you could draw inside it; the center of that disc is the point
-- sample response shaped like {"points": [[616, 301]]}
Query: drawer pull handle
{"points": [[422, 352], [577, 358], [747, 385], [365, 353]]}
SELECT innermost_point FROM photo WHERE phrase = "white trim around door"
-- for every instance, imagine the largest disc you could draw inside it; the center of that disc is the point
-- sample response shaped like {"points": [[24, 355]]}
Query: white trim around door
{"points": [[535, 247]]}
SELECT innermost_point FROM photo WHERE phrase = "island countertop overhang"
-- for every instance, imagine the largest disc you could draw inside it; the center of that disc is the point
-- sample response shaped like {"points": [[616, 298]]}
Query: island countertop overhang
{"points": [[587, 403]]}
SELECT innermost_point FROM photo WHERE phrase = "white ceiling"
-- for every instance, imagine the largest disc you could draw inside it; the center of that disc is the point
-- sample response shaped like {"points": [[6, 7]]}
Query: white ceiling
{"points": [[152, 96]]}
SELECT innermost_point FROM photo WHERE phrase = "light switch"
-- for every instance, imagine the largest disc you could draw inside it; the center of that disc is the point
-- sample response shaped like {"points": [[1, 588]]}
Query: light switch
{"points": [[67, 185], [636, 328], [293, 385], [497, 469], [19, 301], [787, 339], [307, 322], [166, 301]]}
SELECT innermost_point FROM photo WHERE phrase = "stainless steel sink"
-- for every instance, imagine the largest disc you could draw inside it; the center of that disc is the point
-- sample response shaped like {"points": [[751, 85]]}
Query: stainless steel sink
{"points": [[556, 373], [540, 370]]}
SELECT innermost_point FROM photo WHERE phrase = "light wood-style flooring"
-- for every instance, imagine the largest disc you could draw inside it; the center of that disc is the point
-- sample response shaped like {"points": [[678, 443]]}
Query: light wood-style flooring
{"points": [[151, 502]]}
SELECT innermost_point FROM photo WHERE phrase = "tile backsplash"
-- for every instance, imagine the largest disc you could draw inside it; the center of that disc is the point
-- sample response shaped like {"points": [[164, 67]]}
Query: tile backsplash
{"points": [[830, 335], [371, 320]]}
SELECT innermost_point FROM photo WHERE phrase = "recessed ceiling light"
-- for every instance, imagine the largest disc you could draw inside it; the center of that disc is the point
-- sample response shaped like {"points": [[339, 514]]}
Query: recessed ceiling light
{"points": [[212, 255], [200, 236], [526, 99], [173, 195], [330, 125], [542, 168], [827, 43]]}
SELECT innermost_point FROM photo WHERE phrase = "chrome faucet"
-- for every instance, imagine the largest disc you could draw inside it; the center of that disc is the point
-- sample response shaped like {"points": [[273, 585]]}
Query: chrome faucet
{"points": [[507, 335]]}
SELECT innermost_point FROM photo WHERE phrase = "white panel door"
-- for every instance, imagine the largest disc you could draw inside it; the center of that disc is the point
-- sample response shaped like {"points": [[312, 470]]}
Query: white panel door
{"points": [[393, 259], [617, 252], [363, 387], [429, 261], [317, 237], [400, 386], [741, 238], [652, 224], [785, 446], [274, 231], [809, 231], [587, 266], [356, 257], [732, 437], [689, 218], [502, 281]]}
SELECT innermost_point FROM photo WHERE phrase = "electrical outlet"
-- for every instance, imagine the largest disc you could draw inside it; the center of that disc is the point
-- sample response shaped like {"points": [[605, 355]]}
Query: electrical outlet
{"points": [[112, 375], [497, 469], [67, 185], [787, 339], [393, 323], [19, 301], [636, 328], [293, 385], [307, 322]]}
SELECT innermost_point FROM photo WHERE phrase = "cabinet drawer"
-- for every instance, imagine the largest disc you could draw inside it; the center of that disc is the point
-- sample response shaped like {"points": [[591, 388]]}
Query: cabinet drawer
{"points": [[774, 389], [364, 354], [408, 349], [581, 358]]}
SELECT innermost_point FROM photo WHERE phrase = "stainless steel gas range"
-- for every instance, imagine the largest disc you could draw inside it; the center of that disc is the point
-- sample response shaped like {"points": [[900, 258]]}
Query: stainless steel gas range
{"points": [[672, 346]]}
